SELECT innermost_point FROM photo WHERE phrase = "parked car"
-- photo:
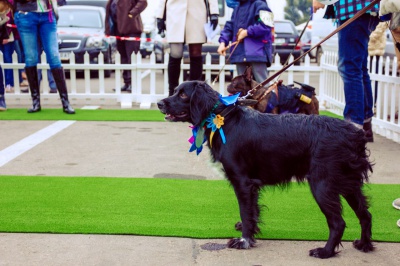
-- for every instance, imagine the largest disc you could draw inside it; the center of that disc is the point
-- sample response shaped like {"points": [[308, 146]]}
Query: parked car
{"points": [[152, 42], [286, 37], [101, 3], [305, 41], [81, 30], [319, 27]]}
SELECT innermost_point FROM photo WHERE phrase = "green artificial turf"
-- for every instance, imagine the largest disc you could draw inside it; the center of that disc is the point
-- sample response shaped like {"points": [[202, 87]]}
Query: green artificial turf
{"points": [[94, 115], [84, 115], [173, 207]]}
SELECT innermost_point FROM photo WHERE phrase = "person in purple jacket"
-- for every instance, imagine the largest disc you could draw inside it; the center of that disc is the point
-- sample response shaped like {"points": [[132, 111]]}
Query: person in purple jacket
{"points": [[251, 24]]}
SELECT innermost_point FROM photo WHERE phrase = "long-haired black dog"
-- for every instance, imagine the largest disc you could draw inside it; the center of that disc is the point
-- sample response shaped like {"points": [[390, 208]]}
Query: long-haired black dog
{"points": [[264, 149]]}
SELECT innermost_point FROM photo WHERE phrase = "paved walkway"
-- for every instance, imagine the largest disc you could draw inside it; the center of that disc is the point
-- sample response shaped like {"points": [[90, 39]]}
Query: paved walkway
{"points": [[149, 149]]}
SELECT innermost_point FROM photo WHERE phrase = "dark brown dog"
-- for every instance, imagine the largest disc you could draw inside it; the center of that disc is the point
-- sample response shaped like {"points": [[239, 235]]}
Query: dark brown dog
{"points": [[258, 149], [272, 99]]}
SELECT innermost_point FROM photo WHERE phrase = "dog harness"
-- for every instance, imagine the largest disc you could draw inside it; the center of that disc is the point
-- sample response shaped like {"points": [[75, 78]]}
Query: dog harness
{"points": [[289, 100]]}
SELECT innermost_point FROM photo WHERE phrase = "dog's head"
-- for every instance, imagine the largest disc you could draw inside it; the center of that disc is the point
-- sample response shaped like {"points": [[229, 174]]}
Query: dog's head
{"points": [[242, 83], [191, 102]]}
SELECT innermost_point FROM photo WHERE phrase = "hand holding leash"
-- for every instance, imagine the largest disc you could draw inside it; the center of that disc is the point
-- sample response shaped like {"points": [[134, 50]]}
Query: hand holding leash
{"points": [[242, 33]]}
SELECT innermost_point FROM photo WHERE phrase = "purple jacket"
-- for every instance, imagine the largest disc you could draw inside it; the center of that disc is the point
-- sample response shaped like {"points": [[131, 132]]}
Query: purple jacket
{"points": [[257, 46]]}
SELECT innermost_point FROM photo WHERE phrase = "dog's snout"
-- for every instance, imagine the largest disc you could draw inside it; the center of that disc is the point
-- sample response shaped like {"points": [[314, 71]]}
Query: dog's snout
{"points": [[161, 104]]}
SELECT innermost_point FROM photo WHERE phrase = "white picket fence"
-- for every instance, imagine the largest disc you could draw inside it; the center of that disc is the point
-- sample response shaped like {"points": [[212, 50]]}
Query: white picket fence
{"points": [[145, 79], [147, 90]]}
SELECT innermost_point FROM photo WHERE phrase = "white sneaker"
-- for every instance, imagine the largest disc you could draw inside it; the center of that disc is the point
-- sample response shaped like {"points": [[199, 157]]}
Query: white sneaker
{"points": [[9, 88]]}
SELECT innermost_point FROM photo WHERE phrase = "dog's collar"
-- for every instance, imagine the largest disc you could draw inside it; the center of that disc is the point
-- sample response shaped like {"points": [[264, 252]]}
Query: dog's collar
{"points": [[214, 122]]}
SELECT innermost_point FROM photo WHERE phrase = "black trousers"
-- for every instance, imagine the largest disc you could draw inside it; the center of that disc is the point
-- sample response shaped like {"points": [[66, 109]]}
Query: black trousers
{"points": [[125, 49]]}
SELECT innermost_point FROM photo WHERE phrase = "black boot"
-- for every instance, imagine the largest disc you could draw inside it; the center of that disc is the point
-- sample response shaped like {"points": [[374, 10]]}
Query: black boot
{"points": [[368, 131], [196, 68], [32, 76], [59, 78], [174, 71]]}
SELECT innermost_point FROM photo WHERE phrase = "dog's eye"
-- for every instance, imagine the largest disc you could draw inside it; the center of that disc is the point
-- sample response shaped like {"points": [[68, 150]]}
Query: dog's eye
{"points": [[183, 95]]}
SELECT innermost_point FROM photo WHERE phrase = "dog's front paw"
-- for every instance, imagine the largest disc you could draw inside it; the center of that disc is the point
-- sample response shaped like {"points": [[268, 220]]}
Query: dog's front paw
{"points": [[239, 243], [321, 253], [363, 246]]}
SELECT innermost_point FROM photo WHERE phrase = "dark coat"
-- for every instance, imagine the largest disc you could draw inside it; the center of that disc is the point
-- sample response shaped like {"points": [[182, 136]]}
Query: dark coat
{"points": [[257, 47], [125, 25]]}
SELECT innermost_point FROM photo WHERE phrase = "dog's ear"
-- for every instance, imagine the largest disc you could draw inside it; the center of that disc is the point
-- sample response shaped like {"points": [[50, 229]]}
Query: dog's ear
{"points": [[202, 101], [248, 74]]}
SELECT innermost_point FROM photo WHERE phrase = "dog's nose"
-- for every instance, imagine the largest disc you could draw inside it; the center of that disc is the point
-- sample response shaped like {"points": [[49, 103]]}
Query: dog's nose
{"points": [[160, 104]]}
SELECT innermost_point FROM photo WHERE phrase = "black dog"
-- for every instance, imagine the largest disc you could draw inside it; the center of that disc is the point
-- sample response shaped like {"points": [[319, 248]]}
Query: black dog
{"points": [[265, 149]]}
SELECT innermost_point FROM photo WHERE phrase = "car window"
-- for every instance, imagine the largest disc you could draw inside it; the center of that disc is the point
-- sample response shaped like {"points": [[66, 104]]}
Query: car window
{"points": [[79, 19], [284, 28]]}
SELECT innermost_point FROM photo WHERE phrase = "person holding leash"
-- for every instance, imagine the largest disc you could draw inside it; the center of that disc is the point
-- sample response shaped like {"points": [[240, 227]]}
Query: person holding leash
{"points": [[353, 59], [250, 25], [183, 22]]}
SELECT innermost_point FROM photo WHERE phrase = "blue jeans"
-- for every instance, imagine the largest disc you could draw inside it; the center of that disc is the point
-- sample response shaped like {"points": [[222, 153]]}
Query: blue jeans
{"points": [[50, 79], [20, 55], [7, 50], [34, 26], [353, 68], [1, 82]]}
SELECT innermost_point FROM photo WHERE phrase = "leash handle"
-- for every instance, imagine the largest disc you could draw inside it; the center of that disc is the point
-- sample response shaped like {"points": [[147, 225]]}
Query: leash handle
{"points": [[222, 68], [356, 16]]}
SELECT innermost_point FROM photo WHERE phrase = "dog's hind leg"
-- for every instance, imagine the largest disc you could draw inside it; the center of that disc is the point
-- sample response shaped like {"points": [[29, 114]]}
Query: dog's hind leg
{"points": [[328, 200], [358, 203], [247, 195]]}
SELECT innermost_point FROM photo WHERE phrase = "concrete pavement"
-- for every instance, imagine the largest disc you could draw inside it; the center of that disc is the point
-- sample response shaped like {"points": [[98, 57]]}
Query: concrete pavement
{"points": [[152, 149]]}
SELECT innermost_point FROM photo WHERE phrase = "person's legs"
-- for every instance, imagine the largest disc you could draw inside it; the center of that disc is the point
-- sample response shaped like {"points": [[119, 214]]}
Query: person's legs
{"points": [[260, 71], [352, 66], [8, 50], [20, 56], [126, 74], [174, 66], [241, 68], [129, 47], [48, 38], [196, 61], [27, 25], [52, 82]]}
